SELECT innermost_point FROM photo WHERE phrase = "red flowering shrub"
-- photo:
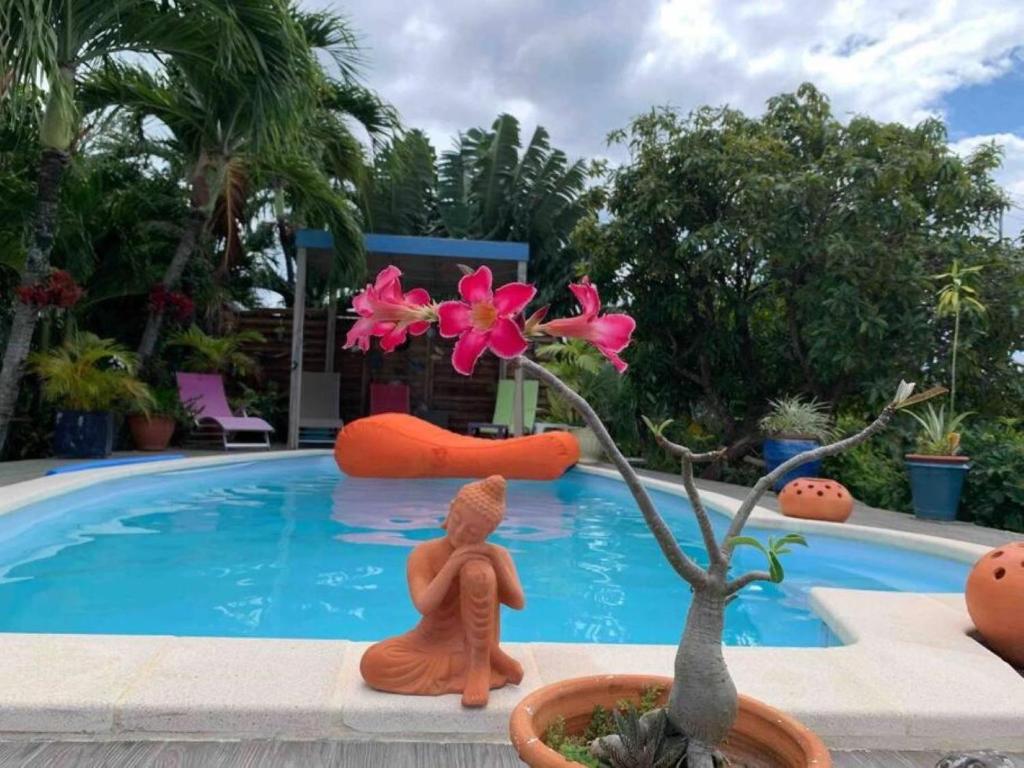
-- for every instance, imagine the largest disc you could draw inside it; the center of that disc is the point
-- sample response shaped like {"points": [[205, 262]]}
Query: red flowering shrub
{"points": [[60, 290], [175, 303]]}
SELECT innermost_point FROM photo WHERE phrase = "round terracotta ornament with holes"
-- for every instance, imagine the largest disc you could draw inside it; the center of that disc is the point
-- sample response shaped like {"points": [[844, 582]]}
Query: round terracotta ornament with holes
{"points": [[816, 498], [995, 600]]}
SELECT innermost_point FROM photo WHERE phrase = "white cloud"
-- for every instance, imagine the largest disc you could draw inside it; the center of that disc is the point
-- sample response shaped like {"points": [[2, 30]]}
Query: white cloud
{"points": [[584, 67]]}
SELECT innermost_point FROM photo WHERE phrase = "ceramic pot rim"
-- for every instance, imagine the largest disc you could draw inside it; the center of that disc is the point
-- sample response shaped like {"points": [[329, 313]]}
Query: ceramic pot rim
{"points": [[923, 458], [532, 750]]}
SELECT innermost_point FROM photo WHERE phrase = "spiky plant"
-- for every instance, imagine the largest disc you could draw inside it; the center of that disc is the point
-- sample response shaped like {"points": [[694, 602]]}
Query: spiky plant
{"points": [[798, 417], [87, 373], [940, 433], [641, 741]]}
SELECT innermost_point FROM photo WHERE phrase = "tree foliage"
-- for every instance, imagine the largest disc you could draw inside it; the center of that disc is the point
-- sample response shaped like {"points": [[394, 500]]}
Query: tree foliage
{"points": [[792, 253]]}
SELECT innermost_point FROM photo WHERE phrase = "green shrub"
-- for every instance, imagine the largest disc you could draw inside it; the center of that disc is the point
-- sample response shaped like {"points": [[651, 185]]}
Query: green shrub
{"points": [[994, 491], [873, 471]]}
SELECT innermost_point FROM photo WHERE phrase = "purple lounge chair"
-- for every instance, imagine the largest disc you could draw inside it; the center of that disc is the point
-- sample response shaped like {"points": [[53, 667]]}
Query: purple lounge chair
{"points": [[203, 393]]}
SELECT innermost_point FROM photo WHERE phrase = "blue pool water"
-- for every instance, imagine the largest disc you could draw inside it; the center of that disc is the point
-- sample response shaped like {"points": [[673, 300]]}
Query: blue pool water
{"points": [[292, 549]]}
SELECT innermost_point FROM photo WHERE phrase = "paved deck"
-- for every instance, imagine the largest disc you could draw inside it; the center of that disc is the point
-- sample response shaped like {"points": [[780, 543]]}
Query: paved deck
{"points": [[330, 754]]}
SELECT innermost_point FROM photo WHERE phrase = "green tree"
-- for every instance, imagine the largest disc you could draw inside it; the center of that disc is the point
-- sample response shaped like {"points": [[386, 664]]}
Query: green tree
{"points": [[791, 253], [57, 43]]}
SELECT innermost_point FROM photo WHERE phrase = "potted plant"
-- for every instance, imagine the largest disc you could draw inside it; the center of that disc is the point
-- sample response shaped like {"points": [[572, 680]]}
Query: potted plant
{"points": [[698, 708], [152, 428], [792, 426], [87, 377], [937, 471]]}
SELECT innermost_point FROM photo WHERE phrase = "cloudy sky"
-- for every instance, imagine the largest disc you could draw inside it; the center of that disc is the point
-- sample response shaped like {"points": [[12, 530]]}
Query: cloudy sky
{"points": [[584, 67]]}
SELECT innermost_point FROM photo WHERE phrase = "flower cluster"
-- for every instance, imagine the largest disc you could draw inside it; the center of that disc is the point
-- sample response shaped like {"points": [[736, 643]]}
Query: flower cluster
{"points": [[385, 312], [177, 304], [60, 290], [483, 319]]}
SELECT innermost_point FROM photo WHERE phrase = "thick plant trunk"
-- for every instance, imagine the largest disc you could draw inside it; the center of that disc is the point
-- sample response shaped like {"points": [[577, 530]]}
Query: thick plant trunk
{"points": [[172, 275], [703, 702], [37, 267]]}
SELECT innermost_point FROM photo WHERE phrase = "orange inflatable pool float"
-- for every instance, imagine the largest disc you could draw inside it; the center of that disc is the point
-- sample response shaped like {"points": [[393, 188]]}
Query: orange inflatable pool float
{"points": [[400, 445]]}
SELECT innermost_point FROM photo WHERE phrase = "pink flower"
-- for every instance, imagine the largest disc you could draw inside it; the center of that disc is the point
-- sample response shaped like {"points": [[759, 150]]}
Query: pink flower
{"points": [[484, 319], [387, 313], [609, 333]]}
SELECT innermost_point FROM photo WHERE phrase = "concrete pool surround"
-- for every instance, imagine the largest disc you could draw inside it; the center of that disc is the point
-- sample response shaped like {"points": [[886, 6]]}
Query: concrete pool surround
{"points": [[909, 676]]}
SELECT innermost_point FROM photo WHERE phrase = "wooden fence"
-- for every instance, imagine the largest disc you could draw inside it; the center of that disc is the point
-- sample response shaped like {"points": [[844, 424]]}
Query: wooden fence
{"points": [[437, 392]]}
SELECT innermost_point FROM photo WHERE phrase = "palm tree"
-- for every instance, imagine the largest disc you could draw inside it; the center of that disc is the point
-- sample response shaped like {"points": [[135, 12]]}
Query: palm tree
{"points": [[231, 138], [488, 187], [402, 194], [59, 42], [321, 165]]}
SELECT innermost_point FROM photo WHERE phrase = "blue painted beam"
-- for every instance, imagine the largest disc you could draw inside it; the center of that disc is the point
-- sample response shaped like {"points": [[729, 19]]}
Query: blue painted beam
{"points": [[448, 248], [314, 238]]}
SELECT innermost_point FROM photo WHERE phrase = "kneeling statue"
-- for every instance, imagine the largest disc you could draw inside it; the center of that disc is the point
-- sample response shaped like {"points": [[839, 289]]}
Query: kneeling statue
{"points": [[457, 583]]}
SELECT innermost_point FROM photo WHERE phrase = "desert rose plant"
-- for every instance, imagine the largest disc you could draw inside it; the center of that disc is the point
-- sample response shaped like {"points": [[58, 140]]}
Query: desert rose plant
{"points": [[703, 702]]}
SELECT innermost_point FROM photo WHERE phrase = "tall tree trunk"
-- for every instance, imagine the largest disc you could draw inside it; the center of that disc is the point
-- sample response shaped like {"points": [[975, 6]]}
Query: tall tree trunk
{"points": [[703, 703], [286, 235], [37, 266], [172, 275]]}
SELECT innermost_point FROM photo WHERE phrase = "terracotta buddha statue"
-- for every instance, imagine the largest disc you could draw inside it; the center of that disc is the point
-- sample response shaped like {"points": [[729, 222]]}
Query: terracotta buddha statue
{"points": [[458, 584]]}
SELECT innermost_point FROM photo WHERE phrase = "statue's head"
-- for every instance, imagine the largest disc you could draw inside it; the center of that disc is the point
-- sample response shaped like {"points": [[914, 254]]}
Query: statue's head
{"points": [[477, 509]]}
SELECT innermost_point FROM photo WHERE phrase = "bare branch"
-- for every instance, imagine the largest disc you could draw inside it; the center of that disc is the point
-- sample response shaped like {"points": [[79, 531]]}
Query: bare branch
{"points": [[688, 458], [767, 481], [703, 520], [746, 579], [681, 451], [680, 562]]}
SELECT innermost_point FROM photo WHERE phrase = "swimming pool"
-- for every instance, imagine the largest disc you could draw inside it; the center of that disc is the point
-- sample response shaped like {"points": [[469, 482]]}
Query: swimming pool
{"points": [[290, 548]]}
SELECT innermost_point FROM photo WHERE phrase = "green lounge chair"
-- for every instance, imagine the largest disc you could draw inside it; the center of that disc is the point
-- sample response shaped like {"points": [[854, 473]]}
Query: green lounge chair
{"points": [[501, 424]]}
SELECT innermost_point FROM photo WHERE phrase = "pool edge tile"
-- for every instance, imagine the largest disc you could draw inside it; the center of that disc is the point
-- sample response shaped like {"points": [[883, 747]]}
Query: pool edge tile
{"points": [[236, 687], [69, 683], [372, 712]]}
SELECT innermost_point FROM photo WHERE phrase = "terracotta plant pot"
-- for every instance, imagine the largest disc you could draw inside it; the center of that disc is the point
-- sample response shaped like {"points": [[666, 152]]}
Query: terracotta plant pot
{"points": [[762, 735], [816, 498], [152, 433], [995, 600]]}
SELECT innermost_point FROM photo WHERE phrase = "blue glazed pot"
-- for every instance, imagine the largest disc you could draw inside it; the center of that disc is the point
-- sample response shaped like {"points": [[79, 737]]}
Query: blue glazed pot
{"points": [[936, 483], [779, 449], [83, 434]]}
